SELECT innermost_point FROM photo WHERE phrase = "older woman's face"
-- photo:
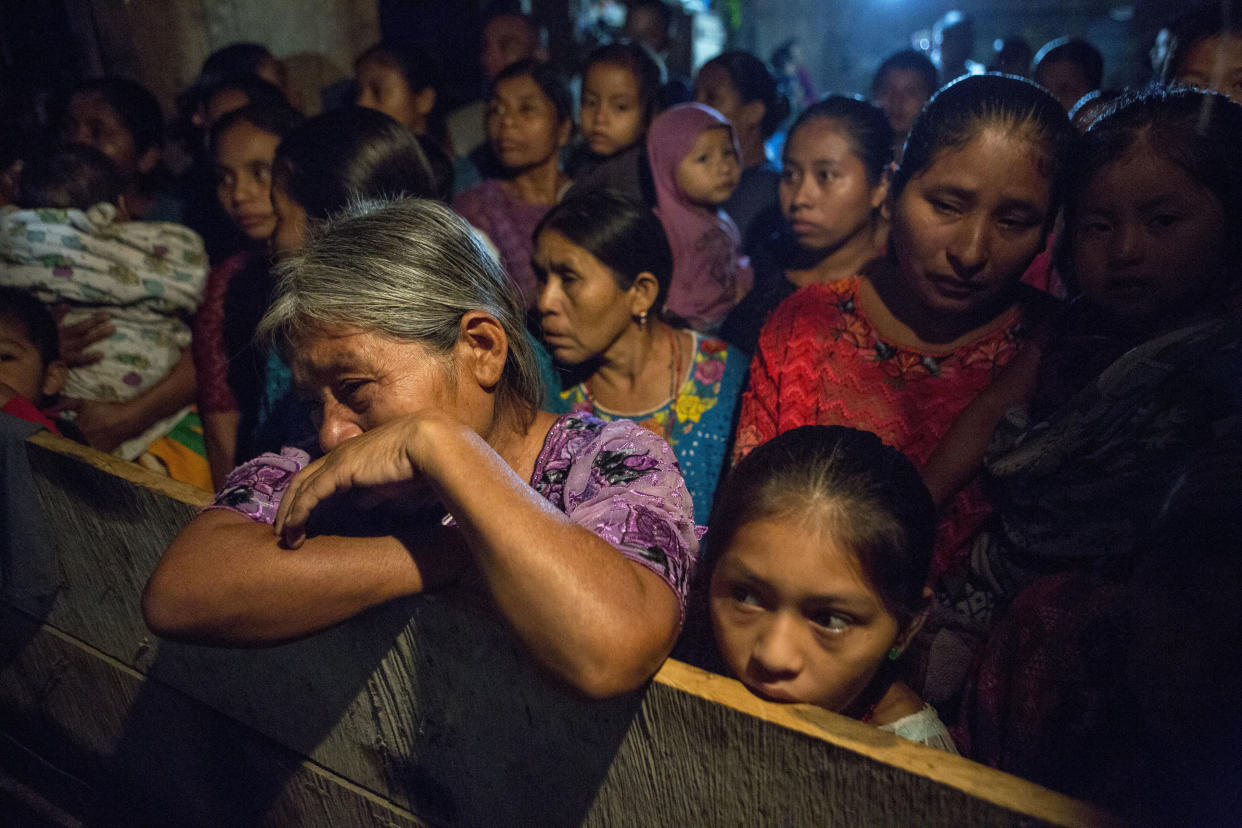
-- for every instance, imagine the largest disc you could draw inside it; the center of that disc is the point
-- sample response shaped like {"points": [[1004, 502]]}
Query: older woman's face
{"points": [[356, 380], [582, 309]]}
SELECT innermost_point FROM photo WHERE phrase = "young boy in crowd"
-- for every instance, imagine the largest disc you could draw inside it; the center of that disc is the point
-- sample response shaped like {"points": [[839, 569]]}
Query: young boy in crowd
{"points": [[31, 371]]}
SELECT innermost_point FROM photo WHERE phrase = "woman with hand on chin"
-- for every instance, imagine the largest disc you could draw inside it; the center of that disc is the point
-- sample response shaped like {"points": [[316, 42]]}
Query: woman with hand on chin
{"points": [[604, 267], [408, 337]]}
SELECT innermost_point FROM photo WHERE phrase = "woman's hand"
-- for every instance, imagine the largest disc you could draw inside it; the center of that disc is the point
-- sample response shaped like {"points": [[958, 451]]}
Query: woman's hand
{"points": [[105, 425], [389, 455], [76, 338], [108, 424]]}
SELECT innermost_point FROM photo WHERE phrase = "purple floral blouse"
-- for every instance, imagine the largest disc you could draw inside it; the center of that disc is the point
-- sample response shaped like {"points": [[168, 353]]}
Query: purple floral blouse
{"points": [[616, 479]]}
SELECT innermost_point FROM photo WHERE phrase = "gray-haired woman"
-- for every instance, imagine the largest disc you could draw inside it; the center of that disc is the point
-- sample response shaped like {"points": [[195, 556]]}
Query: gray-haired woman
{"points": [[407, 336]]}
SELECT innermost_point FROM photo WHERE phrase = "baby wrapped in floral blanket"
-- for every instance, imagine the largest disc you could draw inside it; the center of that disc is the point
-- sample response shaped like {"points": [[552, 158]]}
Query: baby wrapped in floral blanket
{"points": [[70, 243]]}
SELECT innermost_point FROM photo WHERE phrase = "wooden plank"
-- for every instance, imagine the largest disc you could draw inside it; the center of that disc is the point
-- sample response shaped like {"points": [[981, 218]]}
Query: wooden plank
{"points": [[116, 467], [195, 766], [431, 705], [1002, 789]]}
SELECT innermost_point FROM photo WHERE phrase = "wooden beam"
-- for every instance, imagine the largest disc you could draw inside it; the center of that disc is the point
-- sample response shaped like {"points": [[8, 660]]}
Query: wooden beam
{"points": [[158, 756], [428, 705]]}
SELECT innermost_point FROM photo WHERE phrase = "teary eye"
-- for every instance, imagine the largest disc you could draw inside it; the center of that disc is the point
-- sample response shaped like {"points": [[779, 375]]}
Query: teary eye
{"points": [[830, 621]]}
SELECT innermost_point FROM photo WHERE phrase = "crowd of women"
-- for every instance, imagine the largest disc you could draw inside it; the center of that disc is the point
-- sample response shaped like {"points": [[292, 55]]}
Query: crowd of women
{"points": [[949, 419]]}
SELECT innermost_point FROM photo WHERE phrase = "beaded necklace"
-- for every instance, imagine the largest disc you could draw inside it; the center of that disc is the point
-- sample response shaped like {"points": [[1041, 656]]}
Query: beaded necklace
{"points": [[674, 368]]}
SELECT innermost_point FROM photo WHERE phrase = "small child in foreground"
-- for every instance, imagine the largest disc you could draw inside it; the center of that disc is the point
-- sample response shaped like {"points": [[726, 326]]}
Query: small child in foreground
{"points": [[823, 538], [31, 370]]}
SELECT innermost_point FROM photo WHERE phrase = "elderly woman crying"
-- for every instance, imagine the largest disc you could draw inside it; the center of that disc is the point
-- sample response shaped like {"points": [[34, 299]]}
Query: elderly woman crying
{"points": [[407, 337]]}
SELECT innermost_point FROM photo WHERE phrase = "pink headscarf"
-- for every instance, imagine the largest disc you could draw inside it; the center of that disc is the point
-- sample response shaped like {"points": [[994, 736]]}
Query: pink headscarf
{"points": [[710, 274]]}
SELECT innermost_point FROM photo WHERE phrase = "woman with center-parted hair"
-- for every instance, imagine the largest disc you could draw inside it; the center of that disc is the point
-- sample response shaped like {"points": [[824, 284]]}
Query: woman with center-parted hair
{"points": [[529, 120], [834, 181], [409, 340], [604, 269], [902, 347]]}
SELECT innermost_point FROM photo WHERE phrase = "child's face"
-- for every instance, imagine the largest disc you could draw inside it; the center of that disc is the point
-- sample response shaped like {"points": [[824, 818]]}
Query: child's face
{"points": [[21, 366], [382, 87], [708, 174], [244, 156], [824, 191], [1149, 241], [1215, 63], [965, 228], [611, 113], [794, 617], [522, 124]]}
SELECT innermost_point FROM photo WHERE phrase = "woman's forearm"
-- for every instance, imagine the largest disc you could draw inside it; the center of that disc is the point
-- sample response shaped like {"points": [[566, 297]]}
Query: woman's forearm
{"points": [[599, 620], [224, 580], [596, 618], [959, 455], [106, 425], [168, 396]]}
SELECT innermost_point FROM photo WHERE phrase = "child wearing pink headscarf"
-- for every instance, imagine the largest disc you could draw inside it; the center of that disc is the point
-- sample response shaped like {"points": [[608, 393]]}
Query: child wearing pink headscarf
{"points": [[694, 163]]}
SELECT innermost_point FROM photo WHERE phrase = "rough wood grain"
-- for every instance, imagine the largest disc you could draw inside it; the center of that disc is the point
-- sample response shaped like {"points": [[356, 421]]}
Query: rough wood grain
{"points": [[159, 757], [431, 705]]}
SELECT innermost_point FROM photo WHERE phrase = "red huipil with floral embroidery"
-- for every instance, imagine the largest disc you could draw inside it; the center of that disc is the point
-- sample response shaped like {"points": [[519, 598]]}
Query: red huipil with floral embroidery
{"points": [[820, 362]]}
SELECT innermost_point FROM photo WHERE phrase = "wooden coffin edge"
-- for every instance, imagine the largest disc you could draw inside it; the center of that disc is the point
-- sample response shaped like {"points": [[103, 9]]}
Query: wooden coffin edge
{"points": [[383, 806], [979, 781]]}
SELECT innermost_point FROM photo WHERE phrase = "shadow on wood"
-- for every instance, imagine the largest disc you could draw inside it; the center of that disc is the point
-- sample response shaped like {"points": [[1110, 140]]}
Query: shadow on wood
{"points": [[424, 710]]}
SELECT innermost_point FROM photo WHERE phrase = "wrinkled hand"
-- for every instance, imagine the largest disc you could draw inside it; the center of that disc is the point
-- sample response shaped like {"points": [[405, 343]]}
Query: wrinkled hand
{"points": [[76, 338], [387, 456], [105, 425]]}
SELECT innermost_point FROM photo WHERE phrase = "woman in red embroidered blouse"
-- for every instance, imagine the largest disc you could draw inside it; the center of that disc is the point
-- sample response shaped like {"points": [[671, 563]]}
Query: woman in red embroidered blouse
{"points": [[901, 349]]}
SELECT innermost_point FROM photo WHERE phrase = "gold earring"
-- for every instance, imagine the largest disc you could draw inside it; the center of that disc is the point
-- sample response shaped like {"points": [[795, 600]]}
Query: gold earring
{"points": [[642, 320]]}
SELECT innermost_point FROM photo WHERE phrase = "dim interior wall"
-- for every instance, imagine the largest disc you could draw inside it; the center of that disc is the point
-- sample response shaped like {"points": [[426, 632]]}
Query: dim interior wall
{"points": [[163, 43], [423, 710]]}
